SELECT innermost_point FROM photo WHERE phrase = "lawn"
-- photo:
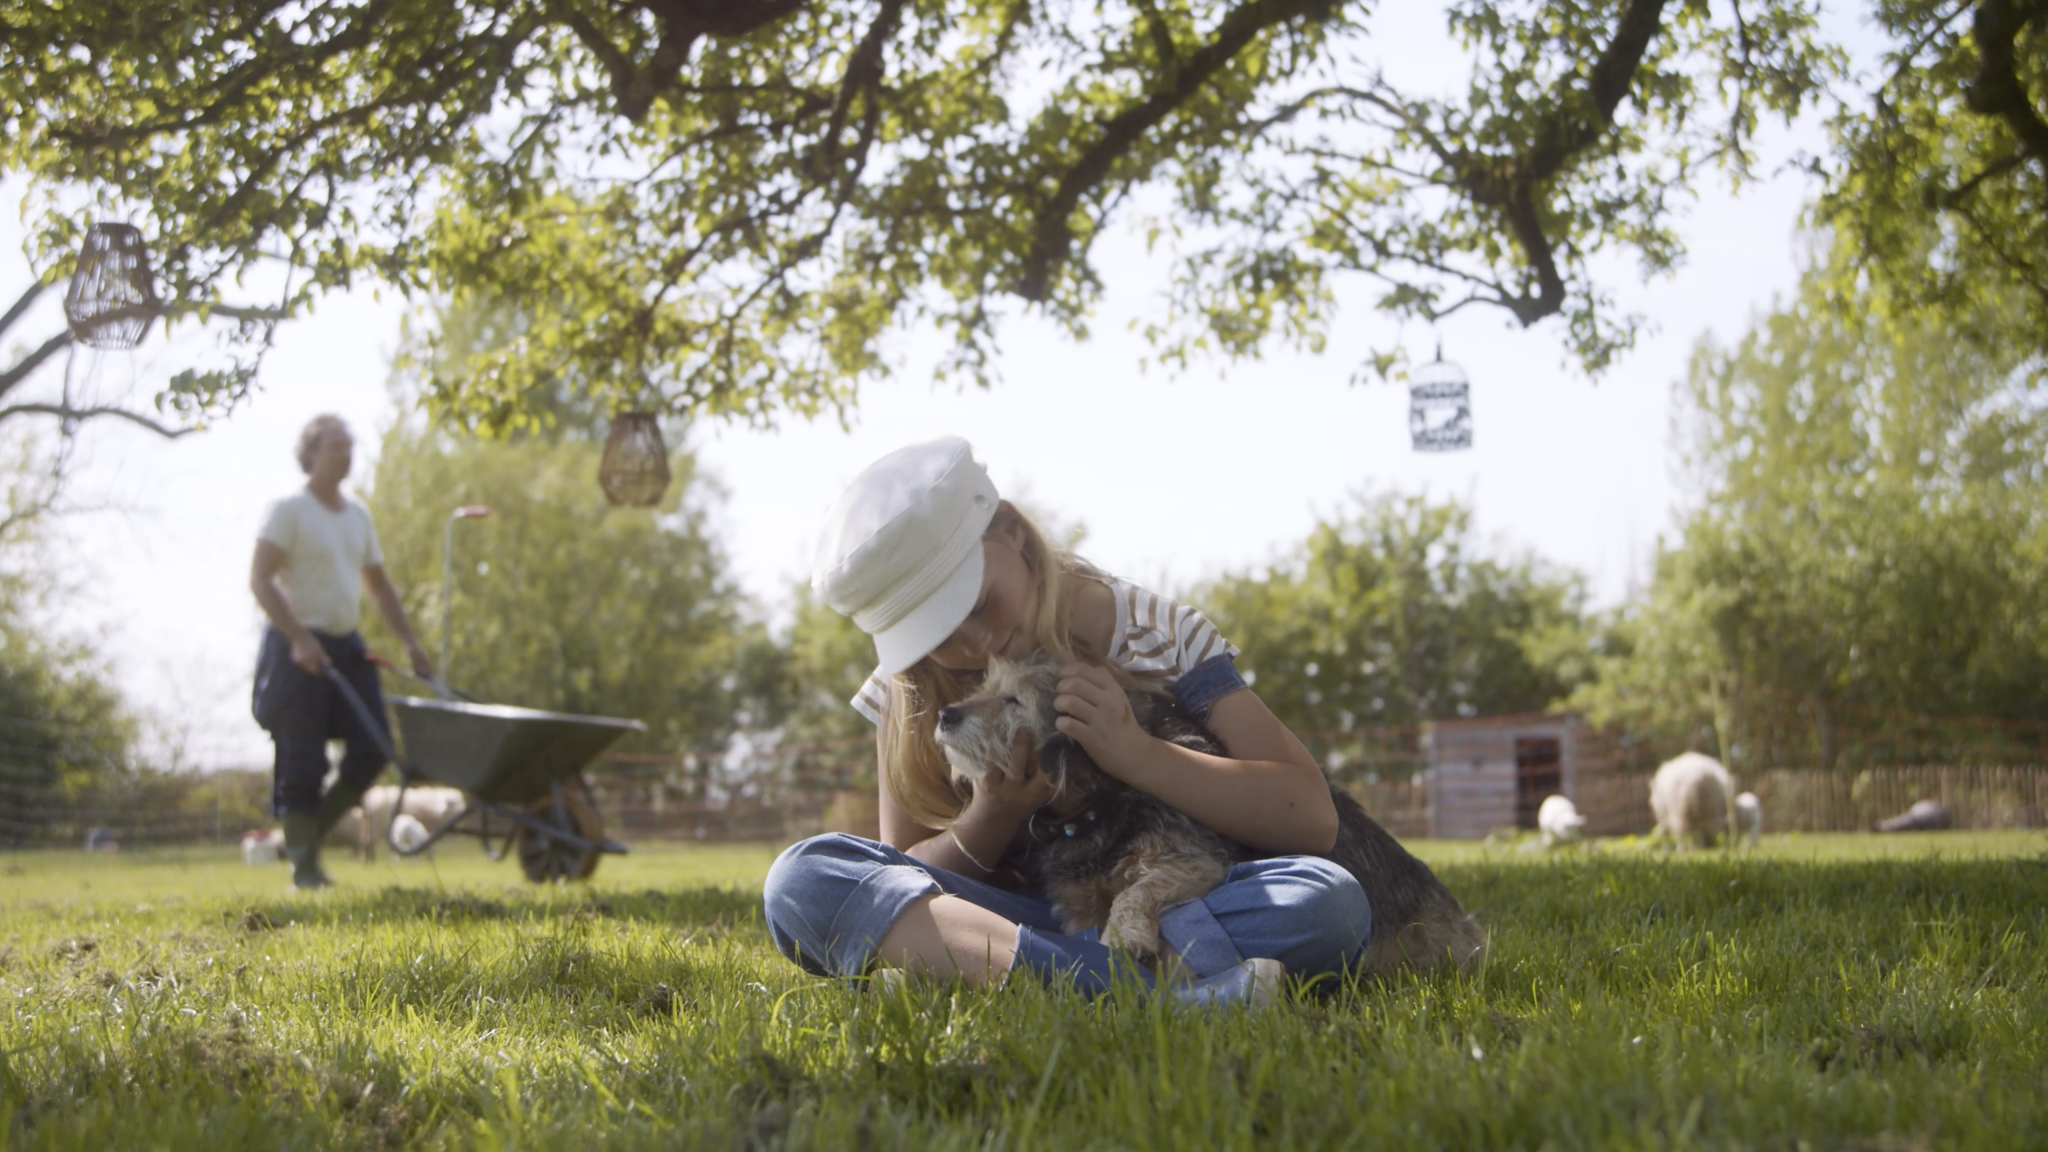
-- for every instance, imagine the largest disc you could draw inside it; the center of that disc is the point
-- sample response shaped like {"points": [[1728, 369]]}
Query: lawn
{"points": [[1848, 992]]}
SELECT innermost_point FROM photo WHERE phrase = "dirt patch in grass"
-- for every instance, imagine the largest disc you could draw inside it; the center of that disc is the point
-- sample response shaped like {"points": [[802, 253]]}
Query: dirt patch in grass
{"points": [[465, 907], [1888, 1142], [358, 1111], [660, 1002], [253, 920], [1862, 1045], [227, 1055]]}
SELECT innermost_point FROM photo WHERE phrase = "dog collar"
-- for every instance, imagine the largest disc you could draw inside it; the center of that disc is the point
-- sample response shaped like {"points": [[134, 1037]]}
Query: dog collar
{"points": [[1070, 827]]}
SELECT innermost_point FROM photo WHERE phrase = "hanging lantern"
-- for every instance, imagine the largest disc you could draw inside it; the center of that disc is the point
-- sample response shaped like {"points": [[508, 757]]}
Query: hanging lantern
{"points": [[112, 297], [634, 472], [1439, 407]]}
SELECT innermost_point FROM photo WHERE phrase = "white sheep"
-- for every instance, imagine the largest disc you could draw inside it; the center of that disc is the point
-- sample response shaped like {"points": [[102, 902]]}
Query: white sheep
{"points": [[351, 830], [1749, 817], [1690, 797], [430, 806], [408, 832], [262, 847], [1559, 821]]}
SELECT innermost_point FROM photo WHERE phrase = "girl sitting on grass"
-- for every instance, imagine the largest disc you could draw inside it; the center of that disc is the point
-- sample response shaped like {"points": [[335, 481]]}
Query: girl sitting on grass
{"points": [[926, 558]]}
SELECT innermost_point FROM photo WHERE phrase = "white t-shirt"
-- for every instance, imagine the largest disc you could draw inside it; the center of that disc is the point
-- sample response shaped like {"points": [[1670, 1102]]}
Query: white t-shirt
{"points": [[325, 553], [1154, 637]]}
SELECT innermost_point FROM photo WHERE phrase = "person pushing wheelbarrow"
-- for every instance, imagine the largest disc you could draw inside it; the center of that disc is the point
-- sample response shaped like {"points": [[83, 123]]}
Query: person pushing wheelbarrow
{"points": [[316, 552]]}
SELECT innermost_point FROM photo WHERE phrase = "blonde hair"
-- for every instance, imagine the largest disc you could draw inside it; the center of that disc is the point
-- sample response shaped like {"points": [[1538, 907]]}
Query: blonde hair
{"points": [[913, 768]]}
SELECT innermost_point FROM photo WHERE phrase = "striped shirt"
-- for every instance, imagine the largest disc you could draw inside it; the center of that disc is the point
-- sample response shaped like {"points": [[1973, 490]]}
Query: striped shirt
{"points": [[1154, 637]]}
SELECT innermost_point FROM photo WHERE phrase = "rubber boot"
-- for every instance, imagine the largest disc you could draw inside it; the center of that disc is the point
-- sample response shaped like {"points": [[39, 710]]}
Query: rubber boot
{"points": [[337, 802], [1094, 968], [302, 848]]}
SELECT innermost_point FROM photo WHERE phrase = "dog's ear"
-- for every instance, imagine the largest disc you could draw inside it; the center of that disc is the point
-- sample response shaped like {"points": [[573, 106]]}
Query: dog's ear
{"points": [[1056, 753]]}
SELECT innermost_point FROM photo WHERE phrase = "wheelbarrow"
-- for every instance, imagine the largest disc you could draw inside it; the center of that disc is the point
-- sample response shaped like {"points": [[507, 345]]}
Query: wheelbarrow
{"points": [[519, 768]]}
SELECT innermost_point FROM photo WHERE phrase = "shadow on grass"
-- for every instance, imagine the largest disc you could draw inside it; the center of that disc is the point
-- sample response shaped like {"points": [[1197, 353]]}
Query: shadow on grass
{"points": [[680, 908], [1710, 889]]}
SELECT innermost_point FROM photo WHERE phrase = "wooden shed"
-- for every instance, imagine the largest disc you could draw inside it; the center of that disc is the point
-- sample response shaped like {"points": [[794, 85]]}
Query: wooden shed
{"points": [[1494, 771]]}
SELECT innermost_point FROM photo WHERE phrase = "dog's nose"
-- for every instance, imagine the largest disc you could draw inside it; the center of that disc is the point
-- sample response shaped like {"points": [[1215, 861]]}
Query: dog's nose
{"points": [[948, 717]]}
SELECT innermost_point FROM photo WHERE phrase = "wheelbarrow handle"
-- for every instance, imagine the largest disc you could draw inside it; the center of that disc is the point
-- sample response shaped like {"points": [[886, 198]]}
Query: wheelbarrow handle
{"points": [[441, 689], [355, 702]]}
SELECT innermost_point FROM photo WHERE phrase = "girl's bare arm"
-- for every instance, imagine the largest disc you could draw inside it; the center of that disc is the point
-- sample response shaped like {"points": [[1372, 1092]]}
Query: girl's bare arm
{"points": [[1267, 794], [1000, 806]]}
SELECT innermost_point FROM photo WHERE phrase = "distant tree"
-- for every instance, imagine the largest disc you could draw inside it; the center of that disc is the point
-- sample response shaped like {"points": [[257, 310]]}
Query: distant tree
{"points": [[561, 601], [1872, 527], [1937, 191], [1392, 614], [826, 660], [63, 725]]}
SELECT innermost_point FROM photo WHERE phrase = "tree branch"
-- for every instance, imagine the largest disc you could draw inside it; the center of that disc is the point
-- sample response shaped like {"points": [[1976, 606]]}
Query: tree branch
{"points": [[2027, 273], [1053, 233], [864, 69], [1509, 184], [22, 305], [1500, 294], [1567, 133], [62, 340], [1997, 90], [1999, 167], [1162, 39], [1523, 217], [231, 311], [683, 22], [65, 412], [230, 87], [32, 361], [723, 18]]}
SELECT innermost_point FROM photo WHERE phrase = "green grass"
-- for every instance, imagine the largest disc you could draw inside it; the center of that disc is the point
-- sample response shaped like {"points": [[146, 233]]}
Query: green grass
{"points": [[1846, 992]]}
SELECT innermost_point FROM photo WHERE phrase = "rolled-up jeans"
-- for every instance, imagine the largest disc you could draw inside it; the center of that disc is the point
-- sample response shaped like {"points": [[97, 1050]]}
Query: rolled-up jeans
{"points": [[830, 899]]}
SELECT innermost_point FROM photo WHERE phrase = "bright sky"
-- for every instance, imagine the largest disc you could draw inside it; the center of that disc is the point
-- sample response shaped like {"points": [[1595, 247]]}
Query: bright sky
{"points": [[1177, 479]]}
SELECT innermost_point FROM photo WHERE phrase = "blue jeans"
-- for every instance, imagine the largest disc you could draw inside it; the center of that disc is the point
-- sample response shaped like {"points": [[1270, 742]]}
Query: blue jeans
{"points": [[829, 899]]}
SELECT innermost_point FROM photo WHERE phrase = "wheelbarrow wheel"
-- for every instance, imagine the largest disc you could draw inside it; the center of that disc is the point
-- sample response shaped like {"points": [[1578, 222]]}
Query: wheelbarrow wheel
{"points": [[545, 858]]}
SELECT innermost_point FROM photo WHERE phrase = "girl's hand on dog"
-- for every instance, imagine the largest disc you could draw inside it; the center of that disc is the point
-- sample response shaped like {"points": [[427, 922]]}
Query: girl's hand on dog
{"points": [[1020, 789], [1096, 713]]}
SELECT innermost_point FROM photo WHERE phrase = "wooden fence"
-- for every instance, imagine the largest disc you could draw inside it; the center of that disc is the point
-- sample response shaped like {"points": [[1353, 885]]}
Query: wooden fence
{"points": [[1977, 796], [714, 823], [1617, 802], [1614, 800]]}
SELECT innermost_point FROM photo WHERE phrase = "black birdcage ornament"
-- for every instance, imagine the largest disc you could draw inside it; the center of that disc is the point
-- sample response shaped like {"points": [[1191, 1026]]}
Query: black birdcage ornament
{"points": [[112, 297], [1439, 407], [634, 471]]}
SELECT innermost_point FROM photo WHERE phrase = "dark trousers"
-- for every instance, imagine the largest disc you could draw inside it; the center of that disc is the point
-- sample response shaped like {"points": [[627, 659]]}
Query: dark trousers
{"points": [[302, 712]]}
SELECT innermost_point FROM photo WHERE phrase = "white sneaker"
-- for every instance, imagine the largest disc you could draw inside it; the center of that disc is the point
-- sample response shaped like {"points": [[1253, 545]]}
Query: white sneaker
{"points": [[1253, 983]]}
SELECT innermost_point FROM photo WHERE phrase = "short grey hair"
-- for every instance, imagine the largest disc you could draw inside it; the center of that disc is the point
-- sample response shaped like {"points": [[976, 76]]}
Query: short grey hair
{"points": [[309, 437]]}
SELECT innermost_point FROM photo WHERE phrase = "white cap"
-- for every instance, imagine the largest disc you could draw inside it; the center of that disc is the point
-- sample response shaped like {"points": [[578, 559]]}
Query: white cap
{"points": [[900, 550]]}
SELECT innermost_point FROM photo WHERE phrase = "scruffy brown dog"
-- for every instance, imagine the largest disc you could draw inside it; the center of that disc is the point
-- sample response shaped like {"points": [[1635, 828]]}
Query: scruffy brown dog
{"points": [[1112, 857]]}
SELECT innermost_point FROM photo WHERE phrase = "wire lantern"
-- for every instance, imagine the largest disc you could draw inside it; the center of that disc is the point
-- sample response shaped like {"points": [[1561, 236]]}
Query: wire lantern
{"points": [[112, 297], [634, 471], [1439, 407]]}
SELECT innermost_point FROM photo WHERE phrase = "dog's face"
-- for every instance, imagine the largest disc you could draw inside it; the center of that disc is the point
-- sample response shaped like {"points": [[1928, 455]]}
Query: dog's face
{"points": [[980, 734]]}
